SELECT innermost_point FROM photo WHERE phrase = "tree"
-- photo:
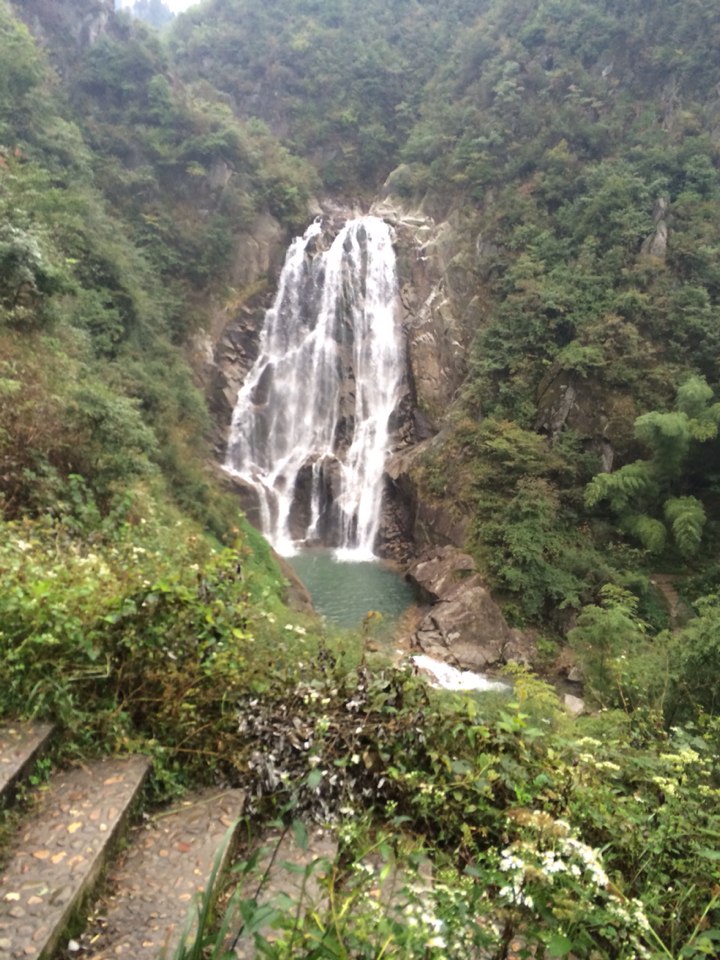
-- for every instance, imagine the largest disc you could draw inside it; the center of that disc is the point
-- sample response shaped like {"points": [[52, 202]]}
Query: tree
{"points": [[647, 494], [695, 659], [606, 633]]}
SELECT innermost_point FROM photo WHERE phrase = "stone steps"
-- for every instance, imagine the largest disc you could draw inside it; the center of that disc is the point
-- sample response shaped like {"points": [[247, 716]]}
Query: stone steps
{"points": [[155, 886], [666, 584], [20, 747], [69, 838], [59, 853]]}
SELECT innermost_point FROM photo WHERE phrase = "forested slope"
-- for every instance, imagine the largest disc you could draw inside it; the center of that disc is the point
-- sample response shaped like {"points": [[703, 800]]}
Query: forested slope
{"points": [[582, 142], [116, 239], [342, 82]]}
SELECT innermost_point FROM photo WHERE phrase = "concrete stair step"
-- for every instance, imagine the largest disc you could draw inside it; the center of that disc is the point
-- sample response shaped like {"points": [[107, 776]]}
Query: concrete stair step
{"points": [[293, 874], [20, 746], [295, 884], [60, 851], [153, 891]]}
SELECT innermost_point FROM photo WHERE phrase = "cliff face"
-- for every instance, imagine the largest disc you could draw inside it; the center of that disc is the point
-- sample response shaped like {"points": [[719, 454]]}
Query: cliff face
{"points": [[438, 319], [224, 352], [66, 27]]}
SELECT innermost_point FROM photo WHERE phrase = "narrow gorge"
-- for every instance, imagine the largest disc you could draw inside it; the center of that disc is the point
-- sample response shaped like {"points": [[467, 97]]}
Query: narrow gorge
{"points": [[341, 389]]}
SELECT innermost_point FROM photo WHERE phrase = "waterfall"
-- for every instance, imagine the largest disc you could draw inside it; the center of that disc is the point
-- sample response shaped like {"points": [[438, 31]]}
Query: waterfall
{"points": [[310, 427]]}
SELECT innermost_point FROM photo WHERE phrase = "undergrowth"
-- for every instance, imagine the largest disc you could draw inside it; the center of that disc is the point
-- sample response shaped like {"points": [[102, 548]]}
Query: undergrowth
{"points": [[497, 836]]}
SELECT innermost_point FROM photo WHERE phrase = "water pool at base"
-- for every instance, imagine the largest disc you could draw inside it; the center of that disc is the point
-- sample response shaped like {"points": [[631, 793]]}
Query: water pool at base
{"points": [[344, 592]]}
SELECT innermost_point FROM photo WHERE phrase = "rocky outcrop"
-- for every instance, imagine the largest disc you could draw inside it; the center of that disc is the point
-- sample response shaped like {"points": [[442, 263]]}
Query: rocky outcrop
{"points": [[232, 357], [601, 418], [656, 244], [434, 325], [428, 521], [258, 251], [59, 26], [463, 624], [438, 309]]}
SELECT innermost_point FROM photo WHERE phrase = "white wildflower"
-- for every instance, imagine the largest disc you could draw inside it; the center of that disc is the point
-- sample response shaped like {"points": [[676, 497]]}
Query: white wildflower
{"points": [[510, 862], [436, 941]]}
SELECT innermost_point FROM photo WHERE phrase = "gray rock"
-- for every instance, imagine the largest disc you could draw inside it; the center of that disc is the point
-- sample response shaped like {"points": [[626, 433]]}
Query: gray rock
{"points": [[575, 706], [436, 577], [656, 244], [464, 625], [256, 251], [432, 305]]}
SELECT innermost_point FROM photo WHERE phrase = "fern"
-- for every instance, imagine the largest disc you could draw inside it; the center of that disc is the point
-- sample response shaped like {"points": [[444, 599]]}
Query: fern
{"points": [[651, 533], [668, 435], [621, 487], [693, 402], [686, 516]]}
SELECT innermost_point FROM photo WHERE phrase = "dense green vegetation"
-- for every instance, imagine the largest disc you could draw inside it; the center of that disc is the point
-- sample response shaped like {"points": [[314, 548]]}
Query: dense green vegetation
{"points": [[580, 144], [575, 147], [342, 81]]}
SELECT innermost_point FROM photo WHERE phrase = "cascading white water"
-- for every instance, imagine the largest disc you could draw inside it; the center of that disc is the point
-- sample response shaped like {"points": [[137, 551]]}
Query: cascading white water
{"points": [[310, 427]]}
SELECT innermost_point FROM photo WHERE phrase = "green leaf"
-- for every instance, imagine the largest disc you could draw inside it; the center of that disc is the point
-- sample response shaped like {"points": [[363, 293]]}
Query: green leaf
{"points": [[460, 767], [299, 828], [314, 778], [687, 517], [559, 945], [708, 854]]}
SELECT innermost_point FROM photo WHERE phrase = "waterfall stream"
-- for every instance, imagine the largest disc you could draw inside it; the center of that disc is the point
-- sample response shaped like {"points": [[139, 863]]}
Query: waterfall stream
{"points": [[310, 429]]}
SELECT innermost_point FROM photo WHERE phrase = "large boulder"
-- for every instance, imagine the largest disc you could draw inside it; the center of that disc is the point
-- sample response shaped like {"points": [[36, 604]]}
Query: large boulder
{"points": [[463, 625], [439, 573]]}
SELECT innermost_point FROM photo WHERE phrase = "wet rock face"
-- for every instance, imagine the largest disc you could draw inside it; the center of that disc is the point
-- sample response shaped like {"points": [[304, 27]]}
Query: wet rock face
{"points": [[463, 626], [430, 522], [228, 361], [434, 329], [395, 535], [429, 290]]}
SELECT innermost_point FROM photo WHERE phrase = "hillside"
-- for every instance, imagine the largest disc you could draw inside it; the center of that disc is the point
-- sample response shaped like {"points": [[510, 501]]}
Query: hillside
{"points": [[573, 152], [116, 249], [341, 82], [552, 171]]}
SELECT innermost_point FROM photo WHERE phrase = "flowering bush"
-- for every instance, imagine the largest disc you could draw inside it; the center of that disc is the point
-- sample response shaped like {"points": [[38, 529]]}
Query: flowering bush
{"points": [[142, 638], [553, 878]]}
